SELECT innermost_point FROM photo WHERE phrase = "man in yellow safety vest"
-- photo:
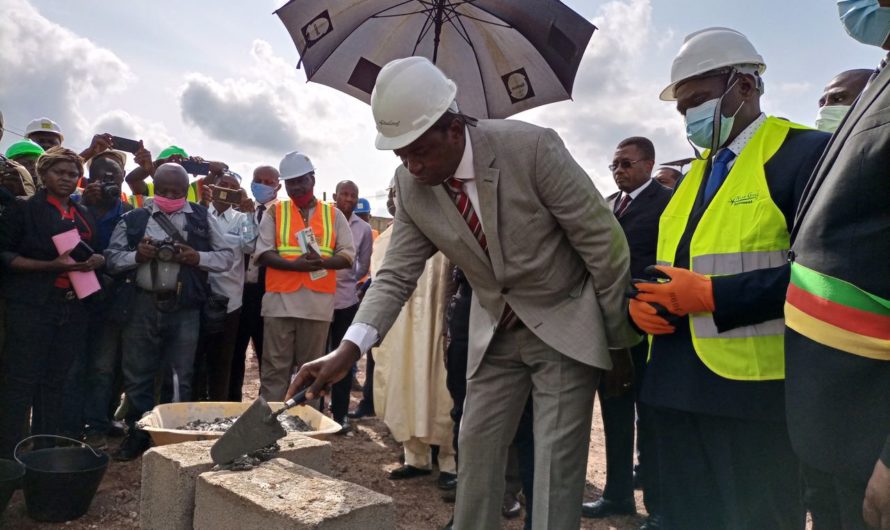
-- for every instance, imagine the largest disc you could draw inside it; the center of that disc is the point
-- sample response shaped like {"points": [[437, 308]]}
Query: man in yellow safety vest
{"points": [[717, 365]]}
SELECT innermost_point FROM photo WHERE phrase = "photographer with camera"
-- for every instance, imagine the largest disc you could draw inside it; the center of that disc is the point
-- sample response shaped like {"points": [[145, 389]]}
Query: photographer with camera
{"points": [[46, 324], [167, 250], [222, 314], [94, 382]]}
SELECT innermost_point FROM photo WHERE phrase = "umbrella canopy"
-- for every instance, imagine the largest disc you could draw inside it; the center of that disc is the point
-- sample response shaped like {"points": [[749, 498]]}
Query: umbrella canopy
{"points": [[506, 56]]}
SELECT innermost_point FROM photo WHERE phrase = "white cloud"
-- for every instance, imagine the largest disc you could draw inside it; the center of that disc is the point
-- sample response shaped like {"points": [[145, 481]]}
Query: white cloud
{"points": [[265, 110], [50, 71]]}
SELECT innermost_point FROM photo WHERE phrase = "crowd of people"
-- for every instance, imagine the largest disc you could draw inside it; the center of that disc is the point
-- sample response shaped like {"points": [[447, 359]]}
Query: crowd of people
{"points": [[731, 315]]}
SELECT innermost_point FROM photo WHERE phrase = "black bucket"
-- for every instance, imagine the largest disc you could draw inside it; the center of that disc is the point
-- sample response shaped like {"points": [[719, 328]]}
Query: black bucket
{"points": [[60, 482], [11, 474]]}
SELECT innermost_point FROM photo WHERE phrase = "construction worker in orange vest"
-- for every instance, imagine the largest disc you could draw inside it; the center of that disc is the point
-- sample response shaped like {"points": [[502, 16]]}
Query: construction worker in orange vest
{"points": [[302, 242]]}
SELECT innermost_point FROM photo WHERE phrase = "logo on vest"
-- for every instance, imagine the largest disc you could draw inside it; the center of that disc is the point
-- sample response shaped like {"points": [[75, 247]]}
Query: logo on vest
{"points": [[748, 198]]}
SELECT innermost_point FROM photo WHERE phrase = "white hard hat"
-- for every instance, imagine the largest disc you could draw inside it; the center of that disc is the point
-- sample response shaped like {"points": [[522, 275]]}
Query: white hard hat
{"points": [[409, 96], [295, 164], [44, 125], [710, 49]]}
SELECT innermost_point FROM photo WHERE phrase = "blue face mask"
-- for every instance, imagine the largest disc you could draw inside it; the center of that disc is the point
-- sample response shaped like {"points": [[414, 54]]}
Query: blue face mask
{"points": [[700, 124], [865, 20], [263, 193]]}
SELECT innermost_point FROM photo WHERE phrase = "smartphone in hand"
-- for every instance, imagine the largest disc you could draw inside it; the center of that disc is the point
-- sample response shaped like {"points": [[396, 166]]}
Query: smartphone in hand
{"points": [[124, 144], [81, 252], [195, 168], [226, 196]]}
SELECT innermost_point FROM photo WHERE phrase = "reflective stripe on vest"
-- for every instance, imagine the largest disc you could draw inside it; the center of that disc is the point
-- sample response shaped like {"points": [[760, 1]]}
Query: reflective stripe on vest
{"points": [[741, 230], [288, 222]]}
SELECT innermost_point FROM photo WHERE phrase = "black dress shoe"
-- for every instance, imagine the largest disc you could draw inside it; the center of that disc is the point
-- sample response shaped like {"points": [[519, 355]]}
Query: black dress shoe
{"points": [[133, 446], [401, 473], [604, 507], [653, 522], [446, 481]]}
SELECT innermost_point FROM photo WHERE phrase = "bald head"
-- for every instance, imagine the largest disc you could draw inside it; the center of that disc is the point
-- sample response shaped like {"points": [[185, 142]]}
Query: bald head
{"points": [[267, 175], [845, 87], [346, 197], [171, 181]]}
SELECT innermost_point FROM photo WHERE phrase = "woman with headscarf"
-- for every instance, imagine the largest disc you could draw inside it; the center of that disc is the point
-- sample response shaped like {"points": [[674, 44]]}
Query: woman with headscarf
{"points": [[45, 321]]}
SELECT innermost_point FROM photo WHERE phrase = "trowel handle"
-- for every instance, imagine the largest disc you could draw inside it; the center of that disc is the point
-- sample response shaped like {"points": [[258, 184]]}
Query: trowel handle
{"points": [[298, 399]]}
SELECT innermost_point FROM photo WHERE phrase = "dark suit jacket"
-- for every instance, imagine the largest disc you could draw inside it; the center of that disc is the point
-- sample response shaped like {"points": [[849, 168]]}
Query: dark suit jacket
{"points": [[839, 403], [640, 225]]}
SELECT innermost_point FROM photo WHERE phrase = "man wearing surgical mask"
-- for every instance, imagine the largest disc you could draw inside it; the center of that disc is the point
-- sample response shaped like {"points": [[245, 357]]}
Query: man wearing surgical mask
{"points": [[264, 187], [838, 96], [715, 375], [837, 313]]}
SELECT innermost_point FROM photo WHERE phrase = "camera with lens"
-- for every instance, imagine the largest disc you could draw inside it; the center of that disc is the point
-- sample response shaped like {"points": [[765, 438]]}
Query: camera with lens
{"points": [[166, 250], [110, 189]]}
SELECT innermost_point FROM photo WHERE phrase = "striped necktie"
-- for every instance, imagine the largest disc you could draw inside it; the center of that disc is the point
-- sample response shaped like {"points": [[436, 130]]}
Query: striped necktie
{"points": [[455, 189]]}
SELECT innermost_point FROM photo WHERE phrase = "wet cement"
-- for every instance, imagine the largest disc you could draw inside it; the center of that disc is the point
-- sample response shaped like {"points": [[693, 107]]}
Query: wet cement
{"points": [[290, 424]]}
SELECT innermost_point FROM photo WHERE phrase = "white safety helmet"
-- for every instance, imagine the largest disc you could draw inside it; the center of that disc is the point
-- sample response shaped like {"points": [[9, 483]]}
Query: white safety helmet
{"points": [[44, 125], [711, 49], [295, 164], [409, 96]]}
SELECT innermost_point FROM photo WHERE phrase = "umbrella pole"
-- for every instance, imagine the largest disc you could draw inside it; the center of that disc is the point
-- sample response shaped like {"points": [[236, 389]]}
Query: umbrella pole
{"points": [[437, 21]]}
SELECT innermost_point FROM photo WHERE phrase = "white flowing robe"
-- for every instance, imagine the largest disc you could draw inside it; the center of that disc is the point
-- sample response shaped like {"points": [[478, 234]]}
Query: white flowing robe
{"points": [[409, 376]]}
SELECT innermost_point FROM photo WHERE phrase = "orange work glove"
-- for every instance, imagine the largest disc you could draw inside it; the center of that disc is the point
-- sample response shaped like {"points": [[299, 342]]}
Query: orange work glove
{"points": [[647, 319], [685, 292]]}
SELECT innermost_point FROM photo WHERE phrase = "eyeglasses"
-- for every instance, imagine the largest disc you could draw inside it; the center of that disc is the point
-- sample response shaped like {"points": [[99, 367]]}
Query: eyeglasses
{"points": [[624, 164]]}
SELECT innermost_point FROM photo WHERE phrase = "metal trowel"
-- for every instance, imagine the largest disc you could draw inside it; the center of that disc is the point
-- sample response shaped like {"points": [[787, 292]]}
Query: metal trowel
{"points": [[255, 429]]}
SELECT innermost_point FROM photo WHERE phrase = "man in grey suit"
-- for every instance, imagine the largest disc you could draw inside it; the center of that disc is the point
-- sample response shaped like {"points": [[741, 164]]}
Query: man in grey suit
{"points": [[548, 263]]}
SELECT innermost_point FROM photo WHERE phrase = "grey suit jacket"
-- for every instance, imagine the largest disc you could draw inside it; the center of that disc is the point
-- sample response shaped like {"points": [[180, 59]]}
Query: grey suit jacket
{"points": [[557, 254]]}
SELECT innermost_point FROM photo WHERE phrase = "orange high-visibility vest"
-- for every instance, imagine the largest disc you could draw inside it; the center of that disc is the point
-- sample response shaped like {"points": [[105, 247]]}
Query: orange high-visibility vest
{"points": [[288, 222]]}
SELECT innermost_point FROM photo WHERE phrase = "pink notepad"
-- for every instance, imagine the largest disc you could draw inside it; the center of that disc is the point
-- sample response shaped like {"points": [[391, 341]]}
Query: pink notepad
{"points": [[84, 283]]}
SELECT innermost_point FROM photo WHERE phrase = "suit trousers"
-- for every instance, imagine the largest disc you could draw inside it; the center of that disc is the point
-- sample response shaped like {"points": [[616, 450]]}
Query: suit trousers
{"points": [[213, 361], [727, 473], [288, 343], [250, 327], [562, 389], [618, 427], [342, 388]]}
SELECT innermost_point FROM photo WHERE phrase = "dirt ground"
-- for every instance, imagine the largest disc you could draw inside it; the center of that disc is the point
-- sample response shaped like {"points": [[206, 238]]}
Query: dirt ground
{"points": [[363, 457]]}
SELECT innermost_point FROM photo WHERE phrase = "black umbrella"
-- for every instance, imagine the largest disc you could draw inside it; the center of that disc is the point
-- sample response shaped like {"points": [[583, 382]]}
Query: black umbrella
{"points": [[506, 56]]}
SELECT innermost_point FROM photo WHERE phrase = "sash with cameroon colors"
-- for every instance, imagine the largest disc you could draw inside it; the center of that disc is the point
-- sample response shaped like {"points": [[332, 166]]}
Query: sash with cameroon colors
{"points": [[838, 314]]}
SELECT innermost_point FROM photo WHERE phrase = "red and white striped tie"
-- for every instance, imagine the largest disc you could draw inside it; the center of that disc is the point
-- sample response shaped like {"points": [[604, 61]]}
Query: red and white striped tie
{"points": [[455, 189]]}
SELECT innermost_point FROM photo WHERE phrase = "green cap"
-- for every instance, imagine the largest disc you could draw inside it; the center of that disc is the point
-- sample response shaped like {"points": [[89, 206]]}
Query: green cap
{"points": [[25, 147], [172, 150]]}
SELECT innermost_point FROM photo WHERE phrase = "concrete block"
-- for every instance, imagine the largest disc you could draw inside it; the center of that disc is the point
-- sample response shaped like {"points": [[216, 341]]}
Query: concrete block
{"points": [[279, 495], [169, 473]]}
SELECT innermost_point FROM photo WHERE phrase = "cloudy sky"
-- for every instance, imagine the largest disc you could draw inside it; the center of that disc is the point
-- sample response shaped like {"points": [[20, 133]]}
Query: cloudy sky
{"points": [[218, 78]]}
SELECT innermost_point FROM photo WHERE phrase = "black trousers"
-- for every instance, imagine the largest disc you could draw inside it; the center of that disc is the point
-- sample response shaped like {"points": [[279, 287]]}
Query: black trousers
{"points": [[367, 402], [341, 389], [618, 426], [250, 327], [726, 473], [835, 502], [213, 361], [42, 342]]}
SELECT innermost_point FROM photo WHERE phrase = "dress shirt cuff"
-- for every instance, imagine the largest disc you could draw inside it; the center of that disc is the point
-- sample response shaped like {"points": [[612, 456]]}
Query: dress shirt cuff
{"points": [[363, 335]]}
